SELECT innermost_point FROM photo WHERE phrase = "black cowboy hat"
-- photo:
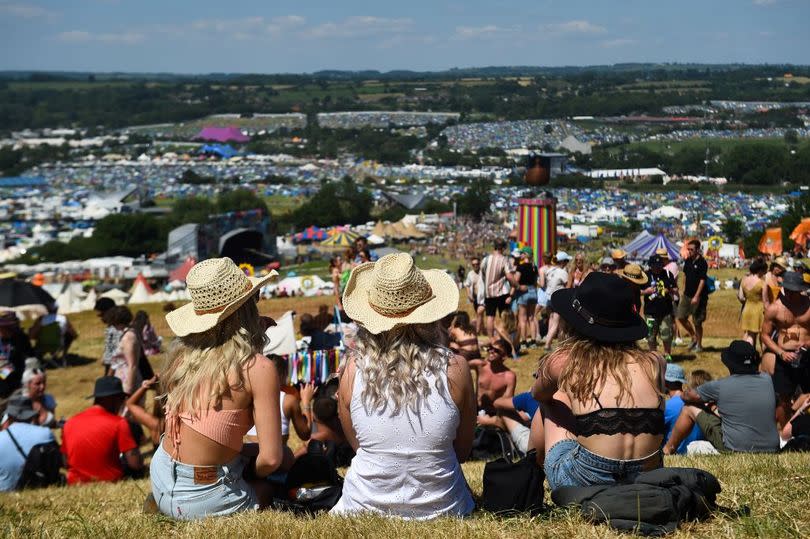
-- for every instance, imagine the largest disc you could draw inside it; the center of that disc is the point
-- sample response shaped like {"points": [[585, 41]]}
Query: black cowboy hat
{"points": [[602, 308], [794, 281], [741, 358], [107, 386]]}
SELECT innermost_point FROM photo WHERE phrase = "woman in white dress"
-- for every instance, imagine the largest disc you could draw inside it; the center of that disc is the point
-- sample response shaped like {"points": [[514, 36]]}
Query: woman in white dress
{"points": [[406, 402]]}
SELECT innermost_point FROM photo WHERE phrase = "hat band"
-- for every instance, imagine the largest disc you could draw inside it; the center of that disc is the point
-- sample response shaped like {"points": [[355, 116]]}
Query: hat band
{"points": [[595, 320], [221, 308], [398, 314]]}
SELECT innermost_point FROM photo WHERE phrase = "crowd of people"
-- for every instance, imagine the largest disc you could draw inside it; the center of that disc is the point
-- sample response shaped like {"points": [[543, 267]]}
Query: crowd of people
{"points": [[420, 378]]}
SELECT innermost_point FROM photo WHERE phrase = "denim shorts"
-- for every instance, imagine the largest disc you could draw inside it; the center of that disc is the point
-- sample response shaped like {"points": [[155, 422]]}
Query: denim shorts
{"points": [[216, 491], [529, 297], [570, 464]]}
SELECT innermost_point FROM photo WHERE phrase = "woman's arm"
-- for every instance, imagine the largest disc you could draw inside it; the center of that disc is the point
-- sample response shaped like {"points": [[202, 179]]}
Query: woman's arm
{"points": [[264, 388], [130, 349], [138, 412], [548, 374], [345, 402], [460, 385]]}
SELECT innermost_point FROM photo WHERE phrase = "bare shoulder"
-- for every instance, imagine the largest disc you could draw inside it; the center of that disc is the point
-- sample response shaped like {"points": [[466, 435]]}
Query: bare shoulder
{"points": [[457, 366]]}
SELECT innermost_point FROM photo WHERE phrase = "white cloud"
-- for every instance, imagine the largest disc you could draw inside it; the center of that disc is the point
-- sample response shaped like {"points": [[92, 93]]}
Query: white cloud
{"points": [[618, 42], [483, 32], [359, 26], [121, 38], [580, 26], [25, 11]]}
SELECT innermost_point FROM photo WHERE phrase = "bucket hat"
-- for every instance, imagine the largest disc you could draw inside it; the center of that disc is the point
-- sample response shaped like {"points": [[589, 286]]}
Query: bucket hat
{"points": [[394, 292], [633, 273], [602, 308], [740, 358], [675, 373], [217, 288]]}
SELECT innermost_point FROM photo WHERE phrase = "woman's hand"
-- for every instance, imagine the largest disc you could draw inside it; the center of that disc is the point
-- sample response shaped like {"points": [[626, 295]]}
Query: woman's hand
{"points": [[307, 393], [149, 384]]}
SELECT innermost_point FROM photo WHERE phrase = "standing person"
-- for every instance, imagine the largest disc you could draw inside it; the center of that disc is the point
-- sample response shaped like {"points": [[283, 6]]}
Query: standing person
{"points": [[217, 385], [786, 357], [14, 349], [633, 274], [556, 279], [339, 270], [463, 337], [695, 295], [753, 294], [94, 440], [658, 305], [579, 271], [607, 265], [671, 265], [149, 339], [406, 402], [112, 336], [619, 257], [601, 396], [525, 282], [124, 364], [773, 280], [745, 405], [472, 282], [495, 273], [20, 432], [363, 252]]}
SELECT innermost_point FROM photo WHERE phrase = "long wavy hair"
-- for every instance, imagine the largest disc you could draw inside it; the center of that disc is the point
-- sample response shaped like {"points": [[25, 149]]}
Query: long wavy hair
{"points": [[590, 363], [202, 368], [394, 364]]}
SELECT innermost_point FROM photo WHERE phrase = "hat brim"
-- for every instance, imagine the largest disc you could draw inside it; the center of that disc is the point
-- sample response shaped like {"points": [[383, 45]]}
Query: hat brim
{"points": [[357, 307], [736, 367], [185, 321], [562, 303], [637, 280], [798, 287], [24, 417], [103, 394]]}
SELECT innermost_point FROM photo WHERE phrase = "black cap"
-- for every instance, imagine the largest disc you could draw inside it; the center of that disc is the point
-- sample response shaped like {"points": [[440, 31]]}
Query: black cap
{"points": [[21, 408], [107, 386], [655, 259]]}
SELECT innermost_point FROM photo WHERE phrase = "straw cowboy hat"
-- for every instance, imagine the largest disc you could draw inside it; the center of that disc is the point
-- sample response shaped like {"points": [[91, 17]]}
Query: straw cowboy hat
{"points": [[633, 273], [394, 292], [218, 288]]}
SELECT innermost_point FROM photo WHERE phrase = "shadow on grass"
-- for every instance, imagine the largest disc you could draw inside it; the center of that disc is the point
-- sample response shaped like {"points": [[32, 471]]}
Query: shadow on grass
{"points": [[71, 360]]}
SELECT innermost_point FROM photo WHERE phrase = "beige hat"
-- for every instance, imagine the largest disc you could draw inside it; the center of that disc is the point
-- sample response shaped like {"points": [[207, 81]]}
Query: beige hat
{"points": [[781, 261], [617, 254], [662, 252], [633, 273], [394, 292], [218, 288]]}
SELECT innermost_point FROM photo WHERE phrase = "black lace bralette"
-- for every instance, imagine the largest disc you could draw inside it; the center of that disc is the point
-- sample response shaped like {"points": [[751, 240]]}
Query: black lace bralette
{"points": [[611, 421]]}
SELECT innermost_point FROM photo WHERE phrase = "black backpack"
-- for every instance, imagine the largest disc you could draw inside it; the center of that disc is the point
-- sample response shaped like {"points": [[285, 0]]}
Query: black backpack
{"points": [[313, 483], [492, 443], [513, 487], [42, 465]]}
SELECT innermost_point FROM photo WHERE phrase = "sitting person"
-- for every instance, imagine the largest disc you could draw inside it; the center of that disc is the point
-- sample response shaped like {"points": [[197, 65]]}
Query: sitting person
{"points": [[674, 381], [34, 380], [326, 423], [406, 402], [93, 441], [515, 415], [19, 433], [463, 337], [314, 338], [155, 420], [14, 349], [217, 385], [746, 405], [601, 395], [66, 332], [323, 318], [495, 379], [799, 424]]}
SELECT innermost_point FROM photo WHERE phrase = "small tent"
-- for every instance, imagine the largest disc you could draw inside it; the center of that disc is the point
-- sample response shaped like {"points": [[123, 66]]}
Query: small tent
{"points": [[140, 291]]}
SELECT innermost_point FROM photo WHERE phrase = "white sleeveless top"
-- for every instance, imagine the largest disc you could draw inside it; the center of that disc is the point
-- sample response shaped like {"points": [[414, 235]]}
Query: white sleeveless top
{"points": [[405, 465], [285, 421]]}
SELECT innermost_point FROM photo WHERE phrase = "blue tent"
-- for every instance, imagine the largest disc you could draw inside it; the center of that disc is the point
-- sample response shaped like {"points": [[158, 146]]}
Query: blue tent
{"points": [[645, 244], [23, 181], [224, 151]]}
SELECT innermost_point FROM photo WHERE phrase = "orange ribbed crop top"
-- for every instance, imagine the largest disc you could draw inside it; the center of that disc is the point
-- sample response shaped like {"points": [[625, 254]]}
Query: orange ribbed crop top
{"points": [[225, 427]]}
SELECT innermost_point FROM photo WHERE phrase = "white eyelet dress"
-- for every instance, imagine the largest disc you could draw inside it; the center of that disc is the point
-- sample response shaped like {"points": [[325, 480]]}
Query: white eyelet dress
{"points": [[405, 465]]}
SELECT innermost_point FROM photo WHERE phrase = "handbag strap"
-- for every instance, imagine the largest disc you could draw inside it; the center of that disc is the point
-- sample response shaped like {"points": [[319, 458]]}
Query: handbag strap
{"points": [[16, 444]]}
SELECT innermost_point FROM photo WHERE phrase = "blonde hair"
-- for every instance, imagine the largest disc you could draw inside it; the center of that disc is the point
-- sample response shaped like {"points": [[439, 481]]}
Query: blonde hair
{"points": [[699, 377], [590, 363], [394, 364], [200, 366]]}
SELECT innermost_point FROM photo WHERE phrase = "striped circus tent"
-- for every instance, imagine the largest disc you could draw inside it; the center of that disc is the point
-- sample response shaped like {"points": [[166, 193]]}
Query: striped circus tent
{"points": [[340, 239], [645, 244]]}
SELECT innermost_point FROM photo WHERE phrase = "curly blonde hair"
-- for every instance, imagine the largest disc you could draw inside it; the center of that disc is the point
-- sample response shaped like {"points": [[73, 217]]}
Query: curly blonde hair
{"points": [[200, 367], [394, 364]]}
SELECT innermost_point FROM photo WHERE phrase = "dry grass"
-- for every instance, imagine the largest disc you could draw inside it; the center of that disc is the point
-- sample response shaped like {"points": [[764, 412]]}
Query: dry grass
{"points": [[773, 487]]}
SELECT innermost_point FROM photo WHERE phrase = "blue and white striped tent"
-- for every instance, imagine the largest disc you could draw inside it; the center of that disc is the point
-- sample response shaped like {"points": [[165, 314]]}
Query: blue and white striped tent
{"points": [[645, 244]]}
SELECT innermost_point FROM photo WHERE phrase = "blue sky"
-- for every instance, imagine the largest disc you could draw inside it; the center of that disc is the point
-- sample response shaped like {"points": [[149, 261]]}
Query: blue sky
{"points": [[272, 36]]}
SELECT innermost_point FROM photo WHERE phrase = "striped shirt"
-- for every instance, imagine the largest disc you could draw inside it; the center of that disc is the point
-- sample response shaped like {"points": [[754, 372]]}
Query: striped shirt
{"points": [[494, 268]]}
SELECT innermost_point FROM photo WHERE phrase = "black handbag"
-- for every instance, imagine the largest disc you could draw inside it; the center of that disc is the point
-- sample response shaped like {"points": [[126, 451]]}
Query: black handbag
{"points": [[513, 487]]}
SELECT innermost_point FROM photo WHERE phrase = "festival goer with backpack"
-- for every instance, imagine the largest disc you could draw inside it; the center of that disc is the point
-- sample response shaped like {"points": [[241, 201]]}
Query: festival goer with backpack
{"points": [[406, 402], [19, 436], [217, 385], [601, 395]]}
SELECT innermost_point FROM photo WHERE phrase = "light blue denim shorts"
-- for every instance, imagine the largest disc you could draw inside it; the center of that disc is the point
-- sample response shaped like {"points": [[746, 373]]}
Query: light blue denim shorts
{"points": [[217, 490], [569, 464], [529, 297]]}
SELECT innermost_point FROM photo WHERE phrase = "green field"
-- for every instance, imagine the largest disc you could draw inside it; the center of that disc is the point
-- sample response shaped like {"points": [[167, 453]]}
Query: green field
{"points": [[71, 85]]}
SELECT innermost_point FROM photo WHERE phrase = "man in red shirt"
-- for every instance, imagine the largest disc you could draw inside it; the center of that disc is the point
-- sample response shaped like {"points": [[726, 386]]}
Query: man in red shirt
{"points": [[94, 441]]}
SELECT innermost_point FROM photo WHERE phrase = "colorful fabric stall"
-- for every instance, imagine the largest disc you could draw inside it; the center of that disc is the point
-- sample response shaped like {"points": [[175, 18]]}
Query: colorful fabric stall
{"points": [[311, 366], [537, 226]]}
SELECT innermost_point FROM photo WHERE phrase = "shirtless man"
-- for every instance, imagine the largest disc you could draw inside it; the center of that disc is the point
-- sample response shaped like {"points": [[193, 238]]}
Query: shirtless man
{"points": [[785, 359], [495, 380]]}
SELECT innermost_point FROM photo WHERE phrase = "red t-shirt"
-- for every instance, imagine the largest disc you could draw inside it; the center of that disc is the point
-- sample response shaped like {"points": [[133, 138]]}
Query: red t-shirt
{"points": [[92, 442]]}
